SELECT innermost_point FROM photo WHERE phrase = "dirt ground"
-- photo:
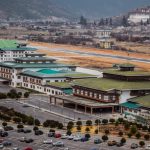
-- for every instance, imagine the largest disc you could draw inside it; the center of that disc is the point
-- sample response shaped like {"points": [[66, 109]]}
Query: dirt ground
{"points": [[91, 61]]}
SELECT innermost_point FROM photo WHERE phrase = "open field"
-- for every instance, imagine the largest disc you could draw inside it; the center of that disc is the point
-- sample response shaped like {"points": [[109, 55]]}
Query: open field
{"points": [[74, 57]]}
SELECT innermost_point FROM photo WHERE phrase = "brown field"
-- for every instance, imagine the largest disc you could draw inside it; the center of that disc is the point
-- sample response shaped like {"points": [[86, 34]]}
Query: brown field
{"points": [[93, 61]]}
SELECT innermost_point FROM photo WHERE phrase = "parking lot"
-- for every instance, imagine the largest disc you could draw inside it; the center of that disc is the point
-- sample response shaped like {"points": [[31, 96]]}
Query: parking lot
{"points": [[14, 137]]}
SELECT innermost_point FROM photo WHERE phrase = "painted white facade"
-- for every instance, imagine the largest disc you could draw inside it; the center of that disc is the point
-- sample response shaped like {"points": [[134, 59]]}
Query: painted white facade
{"points": [[124, 96], [138, 17], [11, 55]]}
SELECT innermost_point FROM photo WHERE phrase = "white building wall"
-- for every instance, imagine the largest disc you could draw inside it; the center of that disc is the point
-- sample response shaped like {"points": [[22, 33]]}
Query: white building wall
{"points": [[124, 96], [136, 18]]}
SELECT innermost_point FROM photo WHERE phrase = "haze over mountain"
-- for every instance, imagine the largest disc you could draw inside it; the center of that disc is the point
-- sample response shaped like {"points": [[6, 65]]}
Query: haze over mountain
{"points": [[28, 9]]}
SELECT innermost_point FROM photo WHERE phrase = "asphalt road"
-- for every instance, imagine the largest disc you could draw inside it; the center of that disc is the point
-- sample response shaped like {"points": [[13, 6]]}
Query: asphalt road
{"points": [[93, 54]]}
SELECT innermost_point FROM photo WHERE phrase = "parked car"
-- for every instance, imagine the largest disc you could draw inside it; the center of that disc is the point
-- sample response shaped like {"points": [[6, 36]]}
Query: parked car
{"points": [[16, 148], [48, 141], [29, 140], [38, 132], [64, 136], [51, 134], [111, 143], [1, 146], [8, 128], [27, 131], [20, 130], [97, 141], [77, 138], [22, 139], [7, 143], [58, 144], [134, 146], [3, 134], [84, 139], [28, 148], [70, 137], [119, 144], [147, 147], [57, 135]]}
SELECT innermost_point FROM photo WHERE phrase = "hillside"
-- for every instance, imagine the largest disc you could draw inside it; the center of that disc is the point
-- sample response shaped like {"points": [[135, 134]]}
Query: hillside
{"points": [[29, 9]]}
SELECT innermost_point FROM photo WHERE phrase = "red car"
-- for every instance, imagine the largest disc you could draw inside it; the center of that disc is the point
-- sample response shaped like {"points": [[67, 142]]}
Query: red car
{"points": [[28, 148], [57, 135]]}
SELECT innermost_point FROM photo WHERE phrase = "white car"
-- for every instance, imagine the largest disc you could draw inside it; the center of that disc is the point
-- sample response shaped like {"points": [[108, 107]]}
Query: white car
{"points": [[147, 147], [58, 143], [64, 136], [70, 137], [1, 146], [77, 138], [48, 141]]}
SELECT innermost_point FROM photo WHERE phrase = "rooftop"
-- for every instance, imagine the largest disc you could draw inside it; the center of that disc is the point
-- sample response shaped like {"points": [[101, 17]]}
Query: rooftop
{"points": [[33, 65], [48, 73], [111, 84], [130, 105], [62, 85], [9, 45], [127, 73], [35, 59], [83, 101], [142, 100]]}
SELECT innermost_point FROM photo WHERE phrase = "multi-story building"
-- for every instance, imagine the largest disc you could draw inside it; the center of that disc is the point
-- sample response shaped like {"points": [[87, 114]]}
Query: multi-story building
{"points": [[138, 15], [11, 49], [36, 72], [105, 94]]}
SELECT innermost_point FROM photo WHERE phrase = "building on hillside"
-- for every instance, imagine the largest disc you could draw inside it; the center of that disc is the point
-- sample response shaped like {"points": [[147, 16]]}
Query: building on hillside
{"points": [[103, 33], [105, 94], [138, 15], [36, 72], [106, 43], [11, 49], [137, 109]]}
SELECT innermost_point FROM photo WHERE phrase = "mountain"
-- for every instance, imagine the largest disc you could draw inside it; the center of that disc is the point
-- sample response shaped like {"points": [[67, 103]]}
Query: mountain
{"points": [[29, 9]]}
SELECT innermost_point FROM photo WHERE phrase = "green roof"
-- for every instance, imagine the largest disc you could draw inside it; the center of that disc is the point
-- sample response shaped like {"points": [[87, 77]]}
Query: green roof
{"points": [[33, 65], [60, 84], [48, 71], [9, 45], [126, 65], [142, 100], [105, 84], [127, 73], [130, 105], [68, 91], [54, 74]]}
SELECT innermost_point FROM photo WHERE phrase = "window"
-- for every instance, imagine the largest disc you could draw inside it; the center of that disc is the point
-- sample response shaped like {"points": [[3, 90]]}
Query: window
{"points": [[95, 95], [91, 94], [106, 98], [86, 93], [100, 96], [81, 92], [78, 91], [19, 77]]}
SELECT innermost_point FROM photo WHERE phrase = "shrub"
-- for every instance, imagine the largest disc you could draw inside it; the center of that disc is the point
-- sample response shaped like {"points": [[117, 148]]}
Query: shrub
{"points": [[87, 129], [105, 121], [70, 123], [79, 123], [35, 128], [52, 130], [68, 132], [129, 135], [26, 94], [105, 138], [37, 122], [97, 121], [144, 128], [111, 120], [78, 128], [88, 122], [20, 126], [133, 129], [87, 136], [96, 131], [123, 140], [116, 123], [60, 126], [120, 133], [141, 143], [4, 124], [17, 119], [146, 136], [69, 127], [126, 125], [120, 120], [107, 131], [138, 135], [3, 96]]}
